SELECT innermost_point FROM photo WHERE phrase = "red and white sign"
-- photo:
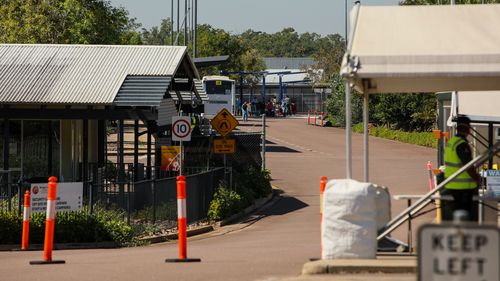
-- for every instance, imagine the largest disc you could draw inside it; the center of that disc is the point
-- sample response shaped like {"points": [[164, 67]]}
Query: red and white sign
{"points": [[181, 128], [69, 197]]}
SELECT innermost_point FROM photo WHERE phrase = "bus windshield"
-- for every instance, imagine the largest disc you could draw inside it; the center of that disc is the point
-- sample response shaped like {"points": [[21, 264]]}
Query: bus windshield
{"points": [[218, 87]]}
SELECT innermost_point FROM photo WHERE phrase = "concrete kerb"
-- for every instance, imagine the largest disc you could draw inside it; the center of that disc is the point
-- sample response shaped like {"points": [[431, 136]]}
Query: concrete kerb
{"points": [[258, 204], [359, 266]]}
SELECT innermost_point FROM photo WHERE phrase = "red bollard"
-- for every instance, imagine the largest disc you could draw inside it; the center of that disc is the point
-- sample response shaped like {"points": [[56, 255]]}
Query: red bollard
{"points": [[50, 224], [182, 222], [322, 187], [308, 117], [26, 221], [315, 116]]}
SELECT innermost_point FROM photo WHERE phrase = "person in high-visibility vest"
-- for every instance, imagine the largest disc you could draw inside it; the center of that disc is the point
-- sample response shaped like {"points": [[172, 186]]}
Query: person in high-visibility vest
{"points": [[464, 186]]}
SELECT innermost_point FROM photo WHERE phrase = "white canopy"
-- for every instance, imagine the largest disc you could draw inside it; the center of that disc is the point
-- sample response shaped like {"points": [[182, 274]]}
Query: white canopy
{"points": [[424, 48]]}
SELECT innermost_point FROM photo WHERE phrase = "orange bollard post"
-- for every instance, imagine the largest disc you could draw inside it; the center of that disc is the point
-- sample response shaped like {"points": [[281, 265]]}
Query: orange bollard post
{"points": [[26, 221], [322, 187], [50, 224], [315, 116], [432, 186], [308, 117], [182, 222]]}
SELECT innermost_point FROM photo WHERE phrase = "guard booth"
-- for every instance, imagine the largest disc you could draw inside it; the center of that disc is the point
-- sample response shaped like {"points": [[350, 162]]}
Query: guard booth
{"points": [[427, 49], [57, 104], [481, 108]]}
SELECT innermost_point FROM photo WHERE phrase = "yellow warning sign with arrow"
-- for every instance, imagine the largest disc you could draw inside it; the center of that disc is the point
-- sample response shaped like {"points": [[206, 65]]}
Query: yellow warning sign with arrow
{"points": [[224, 122]]}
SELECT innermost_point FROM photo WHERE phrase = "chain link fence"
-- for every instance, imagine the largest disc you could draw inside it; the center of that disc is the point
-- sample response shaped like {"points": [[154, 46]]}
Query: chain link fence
{"points": [[127, 187]]}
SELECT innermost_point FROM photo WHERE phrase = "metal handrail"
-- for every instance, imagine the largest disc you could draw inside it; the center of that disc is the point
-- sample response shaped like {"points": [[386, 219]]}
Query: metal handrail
{"points": [[424, 201]]}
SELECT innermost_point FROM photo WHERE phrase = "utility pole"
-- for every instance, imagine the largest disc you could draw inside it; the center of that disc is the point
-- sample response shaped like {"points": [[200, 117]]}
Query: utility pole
{"points": [[178, 26], [345, 24], [185, 22], [195, 27], [172, 23]]}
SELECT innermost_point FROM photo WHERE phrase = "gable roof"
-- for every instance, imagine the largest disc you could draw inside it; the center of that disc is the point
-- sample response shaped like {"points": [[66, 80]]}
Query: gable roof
{"points": [[84, 74], [424, 48]]}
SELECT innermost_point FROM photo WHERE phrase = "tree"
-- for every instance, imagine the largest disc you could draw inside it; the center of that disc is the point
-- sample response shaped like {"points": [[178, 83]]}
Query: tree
{"points": [[158, 36], [335, 104], [65, 22], [407, 112], [328, 58], [217, 42]]}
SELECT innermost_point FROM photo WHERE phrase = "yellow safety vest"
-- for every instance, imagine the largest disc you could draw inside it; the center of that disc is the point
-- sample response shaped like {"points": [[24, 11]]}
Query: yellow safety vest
{"points": [[453, 164]]}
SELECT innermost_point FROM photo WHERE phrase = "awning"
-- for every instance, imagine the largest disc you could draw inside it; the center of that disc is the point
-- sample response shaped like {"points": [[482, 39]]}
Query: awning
{"points": [[142, 91], [432, 48]]}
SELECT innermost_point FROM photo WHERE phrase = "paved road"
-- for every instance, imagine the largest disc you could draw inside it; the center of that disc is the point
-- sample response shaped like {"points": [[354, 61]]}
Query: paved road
{"points": [[275, 242]]}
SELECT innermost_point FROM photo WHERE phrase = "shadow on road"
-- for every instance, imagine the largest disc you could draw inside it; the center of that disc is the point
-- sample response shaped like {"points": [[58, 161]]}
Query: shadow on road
{"points": [[284, 206], [281, 149]]}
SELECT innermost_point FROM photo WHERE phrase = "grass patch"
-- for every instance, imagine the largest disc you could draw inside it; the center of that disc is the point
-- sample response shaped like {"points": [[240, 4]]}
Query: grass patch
{"points": [[419, 138]]}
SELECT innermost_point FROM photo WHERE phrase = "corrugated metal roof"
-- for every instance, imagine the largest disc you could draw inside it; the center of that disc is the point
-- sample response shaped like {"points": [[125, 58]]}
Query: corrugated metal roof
{"points": [[201, 91], [78, 74], [142, 90], [287, 63], [185, 96], [274, 78]]}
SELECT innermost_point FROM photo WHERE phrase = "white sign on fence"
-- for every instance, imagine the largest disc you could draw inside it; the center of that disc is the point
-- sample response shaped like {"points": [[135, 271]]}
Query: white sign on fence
{"points": [[69, 197], [493, 182], [459, 253]]}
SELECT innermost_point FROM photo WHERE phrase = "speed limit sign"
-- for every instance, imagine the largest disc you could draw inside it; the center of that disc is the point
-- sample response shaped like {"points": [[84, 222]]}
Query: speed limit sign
{"points": [[181, 128]]}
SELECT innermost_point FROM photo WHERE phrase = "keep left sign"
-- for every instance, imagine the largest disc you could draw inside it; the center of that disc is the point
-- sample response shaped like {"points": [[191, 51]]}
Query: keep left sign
{"points": [[458, 253]]}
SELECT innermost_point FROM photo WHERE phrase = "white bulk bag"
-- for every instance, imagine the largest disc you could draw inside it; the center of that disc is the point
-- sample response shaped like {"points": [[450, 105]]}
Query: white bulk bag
{"points": [[349, 226]]}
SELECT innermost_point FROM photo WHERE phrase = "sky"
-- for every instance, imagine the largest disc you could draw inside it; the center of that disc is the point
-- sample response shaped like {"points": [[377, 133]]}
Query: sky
{"points": [[270, 16]]}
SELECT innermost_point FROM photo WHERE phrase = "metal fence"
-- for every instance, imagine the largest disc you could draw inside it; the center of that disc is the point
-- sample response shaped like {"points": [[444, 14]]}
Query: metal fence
{"points": [[153, 199], [10, 190], [156, 200], [248, 151]]}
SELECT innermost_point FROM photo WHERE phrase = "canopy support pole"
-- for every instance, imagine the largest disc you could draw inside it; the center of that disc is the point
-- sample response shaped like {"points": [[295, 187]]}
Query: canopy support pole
{"points": [[348, 130], [365, 135]]}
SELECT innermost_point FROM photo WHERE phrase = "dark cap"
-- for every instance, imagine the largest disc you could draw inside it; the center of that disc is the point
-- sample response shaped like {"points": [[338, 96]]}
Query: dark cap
{"points": [[462, 119]]}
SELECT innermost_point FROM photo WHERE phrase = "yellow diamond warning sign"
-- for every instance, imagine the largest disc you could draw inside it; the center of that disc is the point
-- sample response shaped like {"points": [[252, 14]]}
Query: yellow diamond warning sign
{"points": [[224, 122]]}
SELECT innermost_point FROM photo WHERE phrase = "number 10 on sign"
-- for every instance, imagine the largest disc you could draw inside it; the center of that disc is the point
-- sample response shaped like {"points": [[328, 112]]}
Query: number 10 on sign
{"points": [[181, 128]]}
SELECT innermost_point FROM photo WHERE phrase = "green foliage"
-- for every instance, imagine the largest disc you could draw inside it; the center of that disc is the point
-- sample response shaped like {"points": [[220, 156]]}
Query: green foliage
{"points": [[418, 138], [250, 184], [253, 183], [158, 35], [10, 228], [326, 51], [225, 203], [71, 227], [335, 104], [407, 112], [65, 22], [216, 42], [164, 212]]}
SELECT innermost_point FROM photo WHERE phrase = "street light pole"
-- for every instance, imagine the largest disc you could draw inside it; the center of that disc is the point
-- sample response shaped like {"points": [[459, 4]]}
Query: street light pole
{"points": [[345, 23]]}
